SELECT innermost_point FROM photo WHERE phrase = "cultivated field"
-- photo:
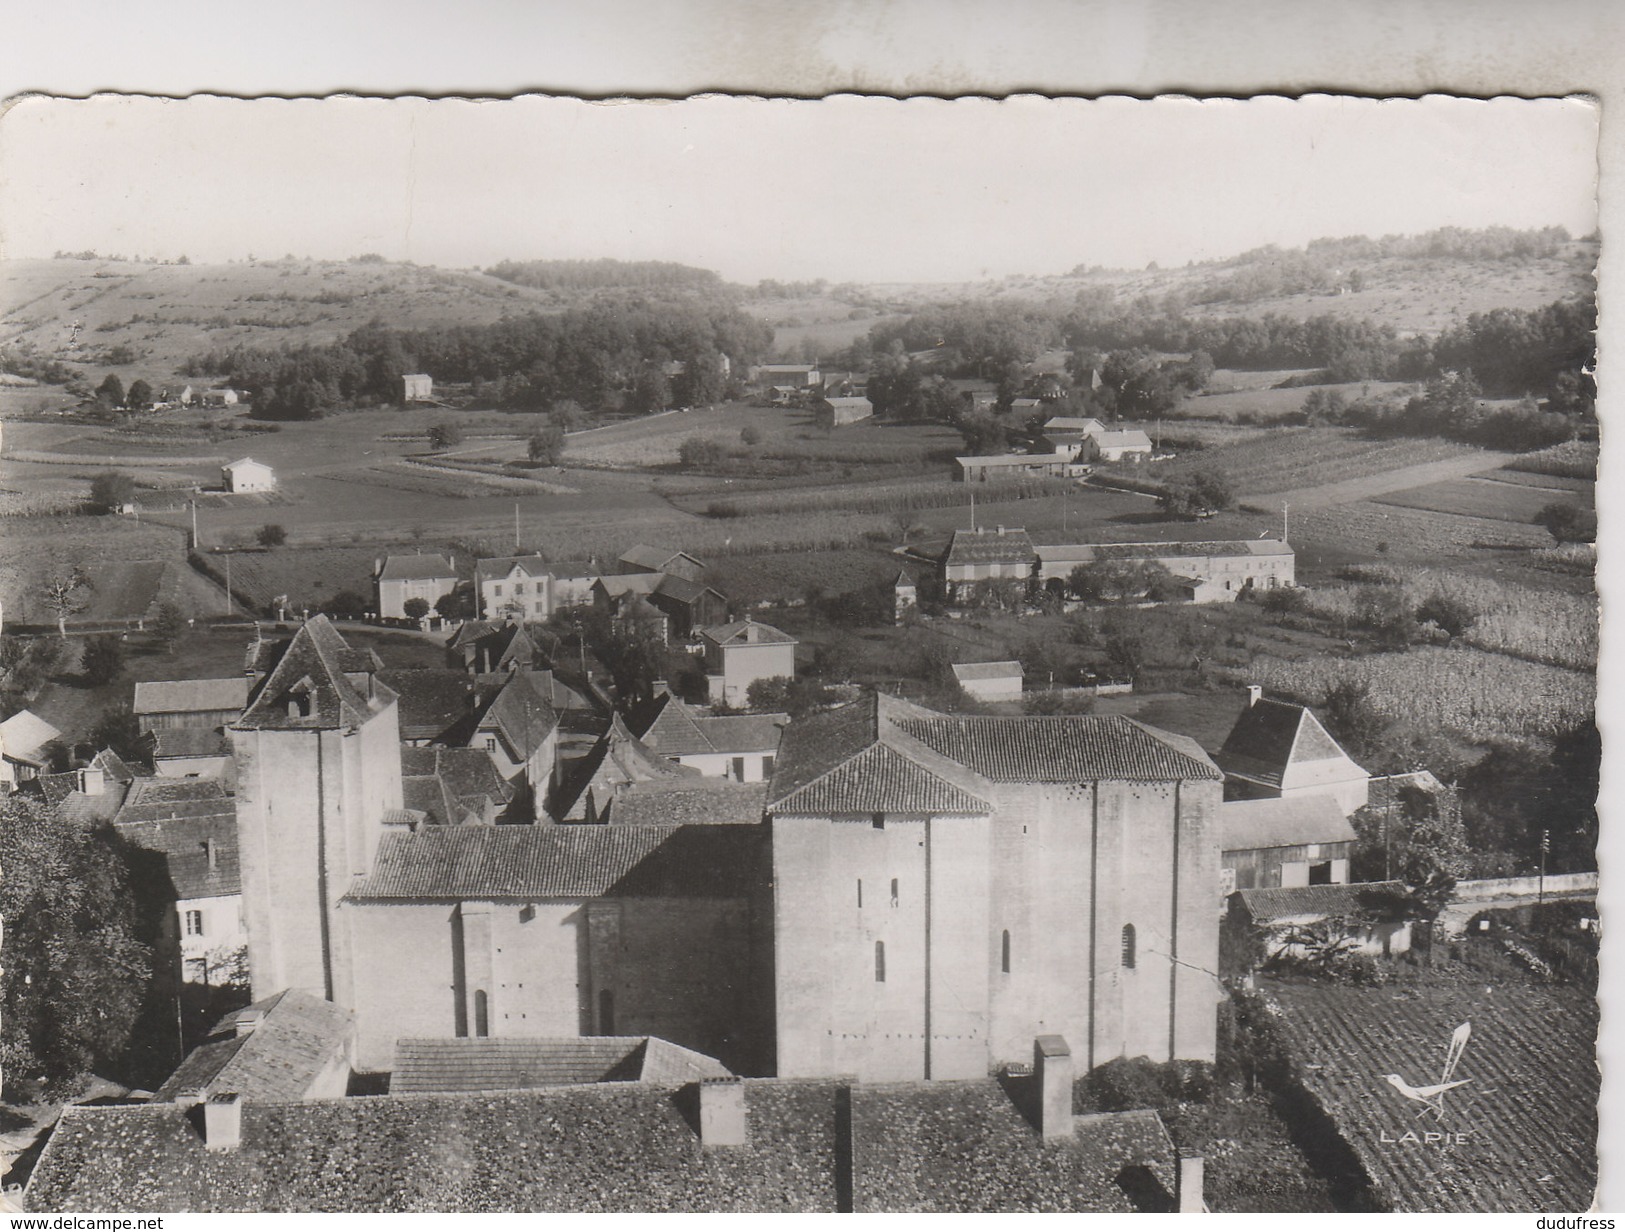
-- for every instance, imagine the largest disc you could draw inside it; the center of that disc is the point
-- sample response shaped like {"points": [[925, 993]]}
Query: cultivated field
{"points": [[1485, 497], [1527, 1116], [1472, 693], [1295, 458], [1269, 405]]}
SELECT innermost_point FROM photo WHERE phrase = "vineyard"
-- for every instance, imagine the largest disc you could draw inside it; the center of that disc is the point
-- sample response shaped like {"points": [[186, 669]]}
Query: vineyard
{"points": [[1473, 693], [1527, 1115], [1367, 528], [1306, 457], [1570, 460]]}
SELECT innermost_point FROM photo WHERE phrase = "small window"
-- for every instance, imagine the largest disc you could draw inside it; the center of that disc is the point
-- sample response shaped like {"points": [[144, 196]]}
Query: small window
{"points": [[894, 891], [194, 923], [482, 1014], [1128, 946], [1320, 874], [878, 821], [880, 962], [767, 766], [739, 769], [490, 744], [496, 591], [1004, 952], [860, 891]]}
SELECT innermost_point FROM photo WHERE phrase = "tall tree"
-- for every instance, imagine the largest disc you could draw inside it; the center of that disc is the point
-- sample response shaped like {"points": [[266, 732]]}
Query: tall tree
{"points": [[64, 590]]}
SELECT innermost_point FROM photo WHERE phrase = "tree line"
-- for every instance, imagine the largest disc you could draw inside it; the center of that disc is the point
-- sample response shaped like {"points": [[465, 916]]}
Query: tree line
{"points": [[609, 356]]}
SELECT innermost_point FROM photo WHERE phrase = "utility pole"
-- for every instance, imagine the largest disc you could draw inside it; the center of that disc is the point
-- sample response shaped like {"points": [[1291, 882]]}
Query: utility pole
{"points": [[973, 508], [228, 583], [1284, 508], [516, 528], [195, 546], [1545, 846]]}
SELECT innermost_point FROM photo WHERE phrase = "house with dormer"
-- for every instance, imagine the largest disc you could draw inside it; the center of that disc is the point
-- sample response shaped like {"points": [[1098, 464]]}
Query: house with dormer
{"points": [[517, 588], [1279, 749]]}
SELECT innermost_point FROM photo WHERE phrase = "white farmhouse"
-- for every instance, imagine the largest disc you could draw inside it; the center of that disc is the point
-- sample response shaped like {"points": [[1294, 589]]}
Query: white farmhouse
{"points": [[247, 475]]}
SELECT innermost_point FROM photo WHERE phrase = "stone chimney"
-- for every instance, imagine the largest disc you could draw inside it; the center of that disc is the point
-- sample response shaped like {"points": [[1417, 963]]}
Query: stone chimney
{"points": [[722, 1112], [1052, 1070], [91, 781], [1188, 1185], [1255, 693], [223, 1121]]}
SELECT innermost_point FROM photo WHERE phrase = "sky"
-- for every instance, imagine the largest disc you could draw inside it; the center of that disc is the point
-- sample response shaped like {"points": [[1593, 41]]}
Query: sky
{"points": [[847, 189]]}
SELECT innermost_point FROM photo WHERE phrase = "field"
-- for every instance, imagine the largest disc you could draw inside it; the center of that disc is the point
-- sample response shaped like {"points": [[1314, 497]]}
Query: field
{"points": [[1571, 460], [1527, 1116], [1367, 530], [1473, 693], [1484, 498], [1269, 405]]}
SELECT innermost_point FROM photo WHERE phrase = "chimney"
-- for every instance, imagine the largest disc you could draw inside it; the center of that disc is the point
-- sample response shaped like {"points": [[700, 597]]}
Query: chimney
{"points": [[1052, 1068], [377, 565], [223, 1121], [1188, 1185], [91, 781], [1255, 693], [658, 688], [722, 1112]]}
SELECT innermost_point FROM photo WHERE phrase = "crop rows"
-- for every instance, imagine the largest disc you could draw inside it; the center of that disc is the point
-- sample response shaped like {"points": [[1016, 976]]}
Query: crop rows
{"points": [[883, 498], [1368, 528], [1571, 459], [1308, 457], [1527, 1112], [1471, 692], [1474, 498]]}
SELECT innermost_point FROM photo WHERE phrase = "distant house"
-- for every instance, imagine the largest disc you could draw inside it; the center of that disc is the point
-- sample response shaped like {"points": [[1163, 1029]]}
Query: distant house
{"points": [[515, 723], [1279, 749], [1290, 841], [219, 397], [591, 785], [247, 475], [481, 646], [163, 704], [23, 740], [980, 555], [990, 682], [786, 376], [739, 654], [1071, 424], [838, 412], [452, 787], [1368, 914], [984, 468], [572, 582], [1128, 445], [514, 587], [417, 387], [741, 748], [429, 577], [905, 595], [645, 559], [688, 604], [1207, 571]]}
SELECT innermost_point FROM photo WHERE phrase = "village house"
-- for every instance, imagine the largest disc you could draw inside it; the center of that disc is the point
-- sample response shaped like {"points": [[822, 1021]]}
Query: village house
{"points": [[1003, 466], [287, 1048], [397, 579], [1280, 750], [219, 397], [990, 682], [642, 558], [1203, 572], [514, 588], [983, 555], [417, 387], [739, 747], [247, 475], [187, 720], [1290, 841], [738, 655], [786, 377], [1371, 916], [1125, 445], [572, 582], [25, 741], [481, 646]]}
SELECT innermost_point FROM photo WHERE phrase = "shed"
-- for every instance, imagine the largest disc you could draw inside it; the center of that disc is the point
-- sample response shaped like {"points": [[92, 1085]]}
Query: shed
{"points": [[990, 682], [247, 475]]}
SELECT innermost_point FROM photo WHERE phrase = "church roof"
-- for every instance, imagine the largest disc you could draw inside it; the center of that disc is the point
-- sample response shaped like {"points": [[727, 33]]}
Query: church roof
{"points": [[558, 861], [312, 669]]}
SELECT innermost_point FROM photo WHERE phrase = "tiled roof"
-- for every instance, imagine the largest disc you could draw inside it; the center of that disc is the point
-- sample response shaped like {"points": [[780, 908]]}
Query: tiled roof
{"points": [[1067, 423], [681, 590], [428, 795], [313, 669], [295, 1038], [513, 1064], [646, 557], [1290, 821], [191, 742], [672, 728], [987, 671], [180, 696], [744, 733], [882, 780], [618, 585], [1270, 735], [422, 567], [164, 799], [963, 1146], [558, 861], [1129, 438], [622, 1146], [429, 700], [1293, 902], [747, 633], [436, 780], [812, 1145], [494, 567], [1010, 546], [89, 810], [618, 758], [193, 844], [678, 802], [520, 713], [57, 787], [113, 766], [1062, 748]]}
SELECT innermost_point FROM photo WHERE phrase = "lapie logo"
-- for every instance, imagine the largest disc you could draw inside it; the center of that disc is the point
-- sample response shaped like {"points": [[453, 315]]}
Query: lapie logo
{"points": [[1431, 1096]]}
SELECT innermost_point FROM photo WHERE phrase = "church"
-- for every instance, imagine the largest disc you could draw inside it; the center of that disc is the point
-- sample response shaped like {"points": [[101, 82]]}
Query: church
{"points": [[920, 896]]}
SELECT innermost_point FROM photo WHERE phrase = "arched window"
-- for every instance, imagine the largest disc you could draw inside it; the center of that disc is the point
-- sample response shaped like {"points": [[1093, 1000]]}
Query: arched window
{"points": [[880, 962], [1004, 952], [1128, 946], [860, 891], [894, 891], [482, 1014]]}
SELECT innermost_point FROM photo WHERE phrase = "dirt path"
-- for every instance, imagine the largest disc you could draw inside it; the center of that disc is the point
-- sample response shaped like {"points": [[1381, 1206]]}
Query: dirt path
{"points": [[1345, 491]]}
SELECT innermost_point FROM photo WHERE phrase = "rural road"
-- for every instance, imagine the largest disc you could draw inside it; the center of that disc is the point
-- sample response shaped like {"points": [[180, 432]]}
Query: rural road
{"points": [[1344, 491]]}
